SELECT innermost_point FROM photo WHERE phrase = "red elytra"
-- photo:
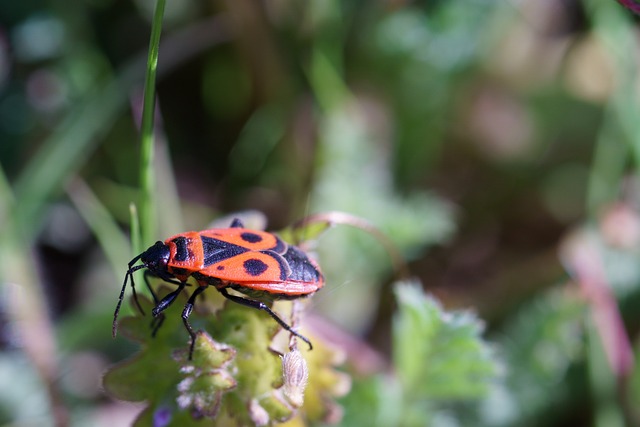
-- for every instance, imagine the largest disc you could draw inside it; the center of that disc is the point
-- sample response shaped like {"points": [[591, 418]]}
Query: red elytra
{"points": [[256, 263]]}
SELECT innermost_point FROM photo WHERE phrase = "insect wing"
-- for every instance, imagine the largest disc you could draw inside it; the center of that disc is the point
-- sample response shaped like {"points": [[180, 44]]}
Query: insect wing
{"points": [[253, 240], [250, 266], [303, 269]]}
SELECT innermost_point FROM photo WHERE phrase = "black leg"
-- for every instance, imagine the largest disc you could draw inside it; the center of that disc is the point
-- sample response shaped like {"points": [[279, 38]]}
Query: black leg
{"points": [[156, 322], [262, 306], [167, 279], [188, 308], [129, 274], [236, 223], [167, 300], [135, 294], [147, 274]]}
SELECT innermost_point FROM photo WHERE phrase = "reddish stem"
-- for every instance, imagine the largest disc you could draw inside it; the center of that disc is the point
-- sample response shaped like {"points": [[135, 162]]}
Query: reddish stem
{"points": [[632, 5]]}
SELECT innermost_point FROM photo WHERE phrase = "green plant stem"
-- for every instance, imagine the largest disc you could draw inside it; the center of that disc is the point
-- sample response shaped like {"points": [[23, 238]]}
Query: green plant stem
{"points": [[136, 245], [608, 165], [147, 177]]}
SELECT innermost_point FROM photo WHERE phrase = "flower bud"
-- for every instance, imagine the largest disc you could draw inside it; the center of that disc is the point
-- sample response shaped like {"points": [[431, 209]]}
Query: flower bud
{"points": [[295, 374]]}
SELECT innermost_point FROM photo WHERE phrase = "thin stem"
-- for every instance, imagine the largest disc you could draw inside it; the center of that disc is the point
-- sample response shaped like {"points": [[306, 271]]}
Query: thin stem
{"points": [[631, 5], [136, 244], [147, 177]]}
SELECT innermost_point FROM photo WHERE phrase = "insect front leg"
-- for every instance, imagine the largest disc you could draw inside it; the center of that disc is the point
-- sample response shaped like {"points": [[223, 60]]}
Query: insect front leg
{"points": [[167, 300], [157, 320]]}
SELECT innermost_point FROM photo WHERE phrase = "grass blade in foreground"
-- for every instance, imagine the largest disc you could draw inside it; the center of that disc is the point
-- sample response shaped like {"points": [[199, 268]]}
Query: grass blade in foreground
{"points": [[147, 177]]}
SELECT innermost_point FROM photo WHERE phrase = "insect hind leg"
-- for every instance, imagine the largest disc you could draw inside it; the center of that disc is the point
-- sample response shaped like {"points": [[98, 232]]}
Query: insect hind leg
{"points": [[262, 306], [188, 308]]}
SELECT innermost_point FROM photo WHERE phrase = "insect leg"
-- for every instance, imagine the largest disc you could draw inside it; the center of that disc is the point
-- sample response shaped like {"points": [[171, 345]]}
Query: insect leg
{"points": [[167, 300], [147, 274], [262, 306], [157, 321], [188, 308], [236, 223], [129, 274]]}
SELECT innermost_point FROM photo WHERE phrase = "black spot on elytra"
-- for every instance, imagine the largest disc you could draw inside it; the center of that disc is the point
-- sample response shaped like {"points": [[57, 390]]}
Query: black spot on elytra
{"points": [[251, 237], [220, 267], [254, 267]]}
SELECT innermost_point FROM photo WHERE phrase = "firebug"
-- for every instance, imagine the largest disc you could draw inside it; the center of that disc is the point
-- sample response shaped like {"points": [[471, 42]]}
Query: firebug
{"points": [[255, 263]]}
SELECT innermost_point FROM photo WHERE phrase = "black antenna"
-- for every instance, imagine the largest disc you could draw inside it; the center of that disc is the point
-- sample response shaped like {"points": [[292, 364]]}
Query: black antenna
{"points": [[130, 271]]}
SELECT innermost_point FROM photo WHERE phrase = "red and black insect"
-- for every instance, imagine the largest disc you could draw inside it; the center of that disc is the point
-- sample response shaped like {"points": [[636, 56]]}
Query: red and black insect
{"points": [[255, 263]]}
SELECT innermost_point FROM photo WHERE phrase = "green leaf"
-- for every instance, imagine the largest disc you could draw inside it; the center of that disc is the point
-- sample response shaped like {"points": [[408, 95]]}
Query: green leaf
{"points": [[439, 355], [540, 345], [235, 376], [149, 374]]}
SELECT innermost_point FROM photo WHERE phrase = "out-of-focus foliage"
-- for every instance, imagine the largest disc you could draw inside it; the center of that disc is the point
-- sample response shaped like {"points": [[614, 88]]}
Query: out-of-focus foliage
{"points": [[440, 363], [438, 355], [496, 143]]}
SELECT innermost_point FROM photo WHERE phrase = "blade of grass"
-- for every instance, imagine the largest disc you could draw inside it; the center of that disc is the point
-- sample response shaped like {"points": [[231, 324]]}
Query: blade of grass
{"points": [[147, 176], [135, 229], [113, 242], [610, 157], [136, 241]]}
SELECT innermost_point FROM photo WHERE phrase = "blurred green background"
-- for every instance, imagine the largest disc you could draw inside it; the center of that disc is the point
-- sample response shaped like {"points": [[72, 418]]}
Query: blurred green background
{"points": [[497, 142]]}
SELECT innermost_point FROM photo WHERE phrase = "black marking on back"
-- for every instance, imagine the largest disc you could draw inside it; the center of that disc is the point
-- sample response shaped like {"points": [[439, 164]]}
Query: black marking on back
{"points": [[250, 237], [285, 271], [215, 250], [280, 247], [302, 270], [254, 267], [182, 249]]}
